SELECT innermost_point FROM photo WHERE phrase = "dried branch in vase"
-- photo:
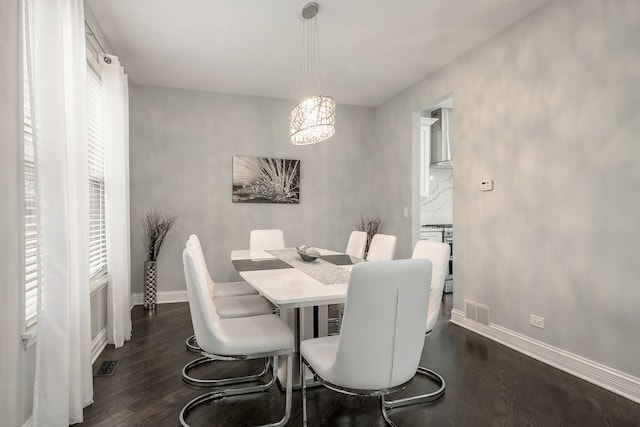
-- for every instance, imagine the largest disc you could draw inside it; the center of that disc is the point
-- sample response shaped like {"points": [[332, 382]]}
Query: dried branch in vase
{"points": [[155, 226], [371, 226]]}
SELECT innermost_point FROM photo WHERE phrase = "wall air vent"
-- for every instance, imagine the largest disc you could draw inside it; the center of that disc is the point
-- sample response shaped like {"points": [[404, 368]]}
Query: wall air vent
{"points": [[477, 312]]}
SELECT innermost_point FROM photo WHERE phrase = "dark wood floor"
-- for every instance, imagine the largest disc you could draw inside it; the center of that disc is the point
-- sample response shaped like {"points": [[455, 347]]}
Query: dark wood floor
{"points": [[487, 385]]}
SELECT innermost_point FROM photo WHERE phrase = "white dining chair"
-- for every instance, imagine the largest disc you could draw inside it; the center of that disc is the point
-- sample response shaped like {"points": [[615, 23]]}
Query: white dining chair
{"points": [[242, 338], [382, 247], [356, 244], [438, 253], [266, 239], [387, 300], [235, 299], [221, 289]]}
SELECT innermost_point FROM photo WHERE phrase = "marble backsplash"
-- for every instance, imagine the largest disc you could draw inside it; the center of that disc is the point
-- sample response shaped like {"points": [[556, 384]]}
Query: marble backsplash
{"points": [[437, 208]]}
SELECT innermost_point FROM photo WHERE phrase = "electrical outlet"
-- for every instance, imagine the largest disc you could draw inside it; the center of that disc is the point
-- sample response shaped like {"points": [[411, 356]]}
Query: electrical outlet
{"points": [[536, 321]]}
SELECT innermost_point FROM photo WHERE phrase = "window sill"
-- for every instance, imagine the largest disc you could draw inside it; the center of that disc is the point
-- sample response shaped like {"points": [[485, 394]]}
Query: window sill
{"points": [[97, 283], [29, 336]]}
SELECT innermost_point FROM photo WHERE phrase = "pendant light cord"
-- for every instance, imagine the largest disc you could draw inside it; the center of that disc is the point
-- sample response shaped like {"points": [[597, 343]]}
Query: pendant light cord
{"points": [[310, 57]]}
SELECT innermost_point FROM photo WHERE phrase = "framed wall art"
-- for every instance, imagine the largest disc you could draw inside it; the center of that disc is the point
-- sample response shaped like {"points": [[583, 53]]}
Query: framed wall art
{"points": [[265, 180]]}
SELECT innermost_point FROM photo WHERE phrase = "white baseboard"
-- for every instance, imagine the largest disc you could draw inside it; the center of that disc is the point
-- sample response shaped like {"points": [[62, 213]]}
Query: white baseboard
{"points": [[618, 382], [98, 344], [165, 297]]}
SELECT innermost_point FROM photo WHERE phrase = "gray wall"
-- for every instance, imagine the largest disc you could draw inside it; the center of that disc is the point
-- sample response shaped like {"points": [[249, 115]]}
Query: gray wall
{"points": [[15, 374], [550, 109], [181, 147]]}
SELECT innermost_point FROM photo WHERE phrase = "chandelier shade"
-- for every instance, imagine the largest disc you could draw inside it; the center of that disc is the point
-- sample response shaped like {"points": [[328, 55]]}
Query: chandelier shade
{"points": [[312, 120]]}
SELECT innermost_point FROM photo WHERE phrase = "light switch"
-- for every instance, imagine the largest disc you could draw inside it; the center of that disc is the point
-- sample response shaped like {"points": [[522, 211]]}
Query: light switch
{"points": [[405, 212], [486, 185]]}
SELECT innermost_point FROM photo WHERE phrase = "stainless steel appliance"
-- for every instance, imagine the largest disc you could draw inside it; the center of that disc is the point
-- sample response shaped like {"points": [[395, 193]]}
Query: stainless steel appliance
{"points": [[447, 237], [446, 231], [441, 138]]}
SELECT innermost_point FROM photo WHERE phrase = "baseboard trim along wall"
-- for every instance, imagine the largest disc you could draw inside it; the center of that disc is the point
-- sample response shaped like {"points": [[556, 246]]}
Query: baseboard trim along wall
{"points": [[98, 344], [165, 297], [618, 382]]}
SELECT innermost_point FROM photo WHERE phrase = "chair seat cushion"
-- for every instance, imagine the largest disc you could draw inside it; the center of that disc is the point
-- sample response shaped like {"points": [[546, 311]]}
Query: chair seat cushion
{"points": [[242, 306], [233, 289], [321, 354], [250, 335]]}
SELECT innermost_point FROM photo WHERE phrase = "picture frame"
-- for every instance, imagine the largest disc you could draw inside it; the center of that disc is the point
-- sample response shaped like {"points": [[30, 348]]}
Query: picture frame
{"points": [[265, 180]]}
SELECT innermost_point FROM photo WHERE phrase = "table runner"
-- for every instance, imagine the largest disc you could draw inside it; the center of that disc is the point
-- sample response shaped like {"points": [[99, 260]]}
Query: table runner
{"points": [[323, 271]]}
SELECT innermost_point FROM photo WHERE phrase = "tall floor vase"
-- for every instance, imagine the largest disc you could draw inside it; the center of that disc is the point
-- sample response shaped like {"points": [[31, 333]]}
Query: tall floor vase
{"points": [[150, 285]]}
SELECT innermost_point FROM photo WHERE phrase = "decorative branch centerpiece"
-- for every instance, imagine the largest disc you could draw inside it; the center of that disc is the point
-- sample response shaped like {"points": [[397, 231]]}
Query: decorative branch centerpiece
{"points": [[371, 226], [155, 227]]}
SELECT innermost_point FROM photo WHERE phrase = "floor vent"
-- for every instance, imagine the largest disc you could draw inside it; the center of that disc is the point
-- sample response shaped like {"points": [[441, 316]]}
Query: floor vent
{"points": [[477, 312], [107, 368]]}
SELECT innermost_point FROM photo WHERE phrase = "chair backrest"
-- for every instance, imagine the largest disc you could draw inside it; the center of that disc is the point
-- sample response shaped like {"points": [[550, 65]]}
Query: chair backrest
{"points": [[356, 244], [266, 239], [438, 253], [203, 311], [194, 243], [382, 248], [383, 327]]}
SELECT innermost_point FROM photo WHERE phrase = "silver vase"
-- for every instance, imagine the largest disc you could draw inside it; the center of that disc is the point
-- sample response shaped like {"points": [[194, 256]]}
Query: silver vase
{"points": [[150, 285]]}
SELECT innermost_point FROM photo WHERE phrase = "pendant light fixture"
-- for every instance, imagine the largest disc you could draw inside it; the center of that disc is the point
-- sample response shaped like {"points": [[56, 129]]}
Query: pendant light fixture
{"points": [[313, 119]]}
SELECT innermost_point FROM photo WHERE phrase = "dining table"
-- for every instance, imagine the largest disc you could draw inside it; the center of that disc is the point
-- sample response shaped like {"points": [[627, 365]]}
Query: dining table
{"points": [[301, 290]]}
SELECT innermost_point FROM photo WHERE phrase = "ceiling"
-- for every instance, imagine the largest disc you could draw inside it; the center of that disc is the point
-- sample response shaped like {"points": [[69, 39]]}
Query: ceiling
{"points": [[369, 51]]}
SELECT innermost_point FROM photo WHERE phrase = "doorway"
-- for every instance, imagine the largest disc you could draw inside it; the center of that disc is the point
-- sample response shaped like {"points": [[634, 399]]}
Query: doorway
{"points": [[432, 204]]}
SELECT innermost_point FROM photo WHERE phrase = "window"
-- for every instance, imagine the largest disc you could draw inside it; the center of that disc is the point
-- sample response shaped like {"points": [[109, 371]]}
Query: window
{"points": [[97, 222], [31, 250]]}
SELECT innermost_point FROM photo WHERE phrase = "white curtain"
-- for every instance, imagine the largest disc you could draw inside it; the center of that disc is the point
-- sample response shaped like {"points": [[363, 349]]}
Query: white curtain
{"points": [[63, 377], [116, 137]]}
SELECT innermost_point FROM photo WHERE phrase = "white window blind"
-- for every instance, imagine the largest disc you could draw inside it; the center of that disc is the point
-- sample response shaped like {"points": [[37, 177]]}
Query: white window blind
{"points": [[97, 222], [31, 250]]}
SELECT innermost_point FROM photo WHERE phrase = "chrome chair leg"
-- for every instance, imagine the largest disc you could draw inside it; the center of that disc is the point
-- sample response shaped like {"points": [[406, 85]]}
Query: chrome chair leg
{"points": [[192, 344], [303, 366], [421, 398], [383, 409], [303, 386], [218, 394], [199, 382]]}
